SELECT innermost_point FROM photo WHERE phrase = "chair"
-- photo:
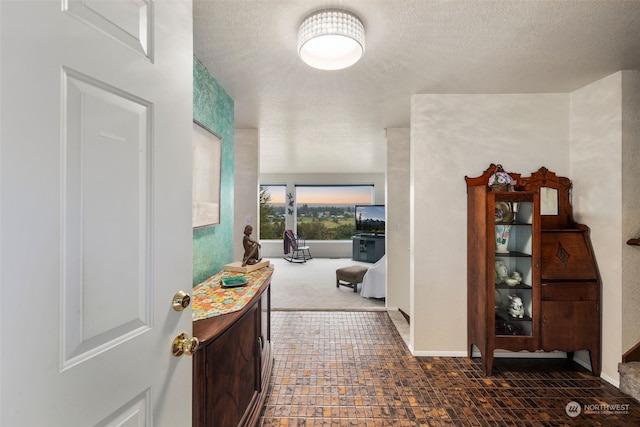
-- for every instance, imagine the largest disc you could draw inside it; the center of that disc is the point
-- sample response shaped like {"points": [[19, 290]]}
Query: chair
{"points": [[295, 248]]}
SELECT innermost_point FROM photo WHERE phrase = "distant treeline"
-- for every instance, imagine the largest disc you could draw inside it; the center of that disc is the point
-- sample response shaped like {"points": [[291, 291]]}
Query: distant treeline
{"points": [[314, 222]]}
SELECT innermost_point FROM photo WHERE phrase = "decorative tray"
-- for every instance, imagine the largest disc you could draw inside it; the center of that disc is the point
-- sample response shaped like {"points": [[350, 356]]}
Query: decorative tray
{"points": [[233, 282]]}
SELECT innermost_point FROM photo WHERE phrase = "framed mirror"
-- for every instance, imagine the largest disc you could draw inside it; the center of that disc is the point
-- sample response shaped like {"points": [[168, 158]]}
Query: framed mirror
{"points": [[548, 201], [207, 157]]}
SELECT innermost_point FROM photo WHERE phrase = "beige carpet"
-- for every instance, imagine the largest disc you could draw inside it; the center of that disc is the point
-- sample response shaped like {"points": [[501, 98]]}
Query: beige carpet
{"points": [[312, 286]]}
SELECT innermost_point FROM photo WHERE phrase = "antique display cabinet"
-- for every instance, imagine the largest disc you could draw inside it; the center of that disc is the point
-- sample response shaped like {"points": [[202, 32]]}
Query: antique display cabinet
{"points": [[532, 278]]}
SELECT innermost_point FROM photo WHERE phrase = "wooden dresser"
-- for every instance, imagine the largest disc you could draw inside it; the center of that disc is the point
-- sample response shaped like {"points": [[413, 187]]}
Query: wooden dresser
{"points": [[232, 366]]}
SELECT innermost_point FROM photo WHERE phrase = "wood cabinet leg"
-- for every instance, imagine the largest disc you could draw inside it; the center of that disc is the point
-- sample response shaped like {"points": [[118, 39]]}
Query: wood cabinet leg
{"points": [[594, 356], [487, 363]]}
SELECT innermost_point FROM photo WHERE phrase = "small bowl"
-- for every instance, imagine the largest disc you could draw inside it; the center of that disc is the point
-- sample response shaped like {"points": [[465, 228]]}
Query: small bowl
{"points": [[511, 282]]}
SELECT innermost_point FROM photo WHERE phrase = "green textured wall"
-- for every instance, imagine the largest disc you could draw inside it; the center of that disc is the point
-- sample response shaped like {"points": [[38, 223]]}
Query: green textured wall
{"points": [[213, 108]]}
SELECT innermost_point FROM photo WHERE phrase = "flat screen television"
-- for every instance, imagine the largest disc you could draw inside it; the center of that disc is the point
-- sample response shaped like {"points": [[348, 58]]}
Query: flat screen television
{"points": [[370, 219]]}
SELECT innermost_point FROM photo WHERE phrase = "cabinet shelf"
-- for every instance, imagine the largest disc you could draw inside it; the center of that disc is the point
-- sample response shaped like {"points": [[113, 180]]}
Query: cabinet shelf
{"points": [[523, 286], [504, 328], [512, 254], [503, 315]]}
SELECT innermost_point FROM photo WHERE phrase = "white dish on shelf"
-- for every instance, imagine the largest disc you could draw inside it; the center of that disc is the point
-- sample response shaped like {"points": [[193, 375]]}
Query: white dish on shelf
{"points": [[503, 212]]}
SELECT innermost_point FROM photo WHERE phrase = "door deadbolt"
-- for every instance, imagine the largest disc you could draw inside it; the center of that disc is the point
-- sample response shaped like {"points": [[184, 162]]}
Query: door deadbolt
{"points": [[184, 345], [181, 300]]}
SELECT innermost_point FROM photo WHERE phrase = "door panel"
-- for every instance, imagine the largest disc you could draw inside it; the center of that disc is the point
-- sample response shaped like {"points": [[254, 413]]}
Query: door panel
{"points": [[129, 22], [234, 373], [95, 219], [106, 152], [563, 323]]}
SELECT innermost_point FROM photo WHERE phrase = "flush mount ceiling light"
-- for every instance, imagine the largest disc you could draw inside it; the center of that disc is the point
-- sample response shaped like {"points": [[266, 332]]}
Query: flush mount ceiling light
{"points": [[331, 39]]}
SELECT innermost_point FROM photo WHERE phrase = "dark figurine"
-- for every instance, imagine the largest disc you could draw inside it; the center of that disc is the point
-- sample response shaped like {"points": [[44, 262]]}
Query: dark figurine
{"points": [[251, 248]]}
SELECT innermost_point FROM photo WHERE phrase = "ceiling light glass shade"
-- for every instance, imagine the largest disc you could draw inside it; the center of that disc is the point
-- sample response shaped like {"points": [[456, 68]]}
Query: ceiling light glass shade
{"points": [[331, 39]]}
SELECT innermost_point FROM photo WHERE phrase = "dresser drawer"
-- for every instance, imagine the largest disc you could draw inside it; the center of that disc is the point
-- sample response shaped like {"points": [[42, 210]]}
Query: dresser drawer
{"points": [[570, 291]]}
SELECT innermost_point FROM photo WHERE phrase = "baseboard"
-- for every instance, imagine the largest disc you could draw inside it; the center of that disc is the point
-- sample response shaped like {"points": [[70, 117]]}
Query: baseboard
{"points": [[498, 354], [438, 353], [523, 354], [614, 382], [586, 365], [406, 316], [508, 354]]}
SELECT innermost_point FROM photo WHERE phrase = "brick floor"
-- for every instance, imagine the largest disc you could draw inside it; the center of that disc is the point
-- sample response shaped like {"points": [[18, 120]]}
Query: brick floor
{"points": [[353, 369]]}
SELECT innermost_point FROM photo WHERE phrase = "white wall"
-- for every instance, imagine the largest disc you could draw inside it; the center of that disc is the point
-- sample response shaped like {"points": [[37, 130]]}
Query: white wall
{"points": [[246, 203], [606, 196], [398, 230], [596, 158], [630, 208], [453, 136], [320, 249]]}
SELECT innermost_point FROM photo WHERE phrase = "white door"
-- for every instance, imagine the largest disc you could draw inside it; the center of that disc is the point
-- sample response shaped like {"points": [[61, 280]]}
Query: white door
{"points": [[95, 211]]}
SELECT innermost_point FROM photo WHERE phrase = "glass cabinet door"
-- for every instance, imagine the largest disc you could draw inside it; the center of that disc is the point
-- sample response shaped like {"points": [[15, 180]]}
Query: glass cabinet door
{"points": [[513, 267]]}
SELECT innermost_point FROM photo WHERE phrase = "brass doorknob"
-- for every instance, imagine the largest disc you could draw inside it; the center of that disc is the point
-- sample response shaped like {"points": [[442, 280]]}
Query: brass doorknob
{"points": [[182, 344], [181, 300]]}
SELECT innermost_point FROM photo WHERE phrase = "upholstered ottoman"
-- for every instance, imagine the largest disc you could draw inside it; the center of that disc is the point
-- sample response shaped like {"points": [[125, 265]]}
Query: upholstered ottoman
{"points": [[350, 276]]}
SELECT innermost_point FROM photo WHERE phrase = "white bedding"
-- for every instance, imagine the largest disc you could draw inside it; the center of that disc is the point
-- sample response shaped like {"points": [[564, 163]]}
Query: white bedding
{"points": [[375, 280]]}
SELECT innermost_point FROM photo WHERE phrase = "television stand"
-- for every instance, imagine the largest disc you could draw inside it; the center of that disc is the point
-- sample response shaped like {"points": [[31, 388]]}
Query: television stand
{"points": [[368, 247]]}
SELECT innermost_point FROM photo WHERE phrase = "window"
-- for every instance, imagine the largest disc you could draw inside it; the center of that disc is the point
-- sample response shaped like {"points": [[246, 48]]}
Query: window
{"points": [[327, 212], [272, 211]]}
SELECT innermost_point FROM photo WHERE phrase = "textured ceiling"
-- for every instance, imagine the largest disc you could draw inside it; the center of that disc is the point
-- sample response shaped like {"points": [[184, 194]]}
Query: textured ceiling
{"points": [[335, 121]]}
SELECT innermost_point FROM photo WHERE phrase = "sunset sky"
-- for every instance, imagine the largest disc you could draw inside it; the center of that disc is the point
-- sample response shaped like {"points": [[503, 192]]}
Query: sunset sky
{"points": [[343, 195]]}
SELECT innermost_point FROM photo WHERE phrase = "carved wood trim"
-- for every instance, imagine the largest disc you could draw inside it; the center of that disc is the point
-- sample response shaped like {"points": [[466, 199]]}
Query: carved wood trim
{"points": [[484, 178], [543, 177]]}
